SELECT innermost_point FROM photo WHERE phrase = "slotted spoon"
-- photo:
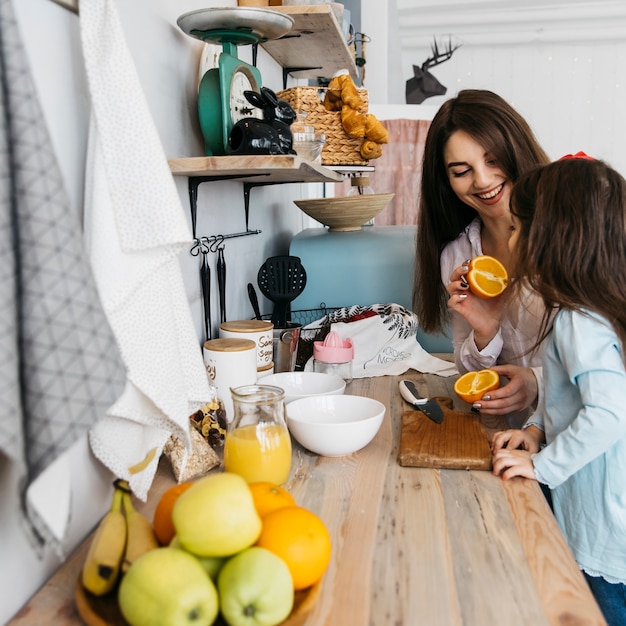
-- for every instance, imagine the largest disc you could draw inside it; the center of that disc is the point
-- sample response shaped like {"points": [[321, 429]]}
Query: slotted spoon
{"points": [[281, 279]]}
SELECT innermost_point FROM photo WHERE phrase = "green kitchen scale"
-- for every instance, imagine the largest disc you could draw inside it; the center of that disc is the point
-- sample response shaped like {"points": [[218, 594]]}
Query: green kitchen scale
{"points": [[221, 100]]}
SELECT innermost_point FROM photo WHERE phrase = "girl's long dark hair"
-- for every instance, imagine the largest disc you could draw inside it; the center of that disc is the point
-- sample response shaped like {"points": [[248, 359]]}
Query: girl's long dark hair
{"points": [[504, 133], [571, 246]]}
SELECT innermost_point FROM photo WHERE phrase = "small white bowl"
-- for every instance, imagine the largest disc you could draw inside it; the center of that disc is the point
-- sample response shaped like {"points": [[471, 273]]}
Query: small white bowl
{"points": [[334, 425], [305, 384]]}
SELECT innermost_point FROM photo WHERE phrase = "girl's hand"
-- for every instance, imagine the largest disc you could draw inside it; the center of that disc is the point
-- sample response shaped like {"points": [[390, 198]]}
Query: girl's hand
{"points": [[519, 393], [510, 463], [483, 315], [528, 439]]}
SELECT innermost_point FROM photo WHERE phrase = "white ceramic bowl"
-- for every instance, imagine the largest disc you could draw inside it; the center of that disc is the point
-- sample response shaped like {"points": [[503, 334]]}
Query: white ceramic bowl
{"points": [[334, 425], [305, 384]]}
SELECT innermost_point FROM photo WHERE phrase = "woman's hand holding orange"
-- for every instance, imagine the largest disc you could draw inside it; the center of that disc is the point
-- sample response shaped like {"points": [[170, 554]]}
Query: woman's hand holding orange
{"points": [[518, 393], [483, 315]]}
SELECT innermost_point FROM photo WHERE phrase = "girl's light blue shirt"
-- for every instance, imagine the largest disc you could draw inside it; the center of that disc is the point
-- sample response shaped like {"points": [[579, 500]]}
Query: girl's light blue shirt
{"points": [[583, 414]]}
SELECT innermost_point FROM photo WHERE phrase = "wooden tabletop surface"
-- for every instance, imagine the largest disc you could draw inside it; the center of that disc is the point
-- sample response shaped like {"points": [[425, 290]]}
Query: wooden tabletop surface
{"points": [[411, 546]]}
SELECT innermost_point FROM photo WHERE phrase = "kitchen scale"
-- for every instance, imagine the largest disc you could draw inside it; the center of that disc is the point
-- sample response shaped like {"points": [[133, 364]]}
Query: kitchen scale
{"points": [[221, 100]]}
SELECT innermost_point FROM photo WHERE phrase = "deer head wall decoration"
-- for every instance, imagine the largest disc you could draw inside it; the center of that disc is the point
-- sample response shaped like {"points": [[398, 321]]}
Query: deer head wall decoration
{"points": [[423, 84]]}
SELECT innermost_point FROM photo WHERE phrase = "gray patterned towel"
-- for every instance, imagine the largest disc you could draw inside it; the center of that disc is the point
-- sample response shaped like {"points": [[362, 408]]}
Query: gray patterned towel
{"points": [[60, 368]]}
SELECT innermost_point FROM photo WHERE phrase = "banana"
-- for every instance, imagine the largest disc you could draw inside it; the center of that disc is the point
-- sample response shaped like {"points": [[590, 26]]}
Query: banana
{"points": [[141, 537], [104, 558]]}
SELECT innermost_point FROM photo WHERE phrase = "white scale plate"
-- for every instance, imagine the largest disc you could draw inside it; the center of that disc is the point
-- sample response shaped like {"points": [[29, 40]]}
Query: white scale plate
{"points": [[262, 23]]}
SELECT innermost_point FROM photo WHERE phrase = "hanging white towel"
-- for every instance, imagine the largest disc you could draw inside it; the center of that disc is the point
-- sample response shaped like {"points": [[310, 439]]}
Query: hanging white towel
{"points": [[137, 230]]}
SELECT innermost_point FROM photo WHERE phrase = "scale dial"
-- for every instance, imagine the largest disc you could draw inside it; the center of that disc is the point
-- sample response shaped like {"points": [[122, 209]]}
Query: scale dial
{"points": [[242, 80]]}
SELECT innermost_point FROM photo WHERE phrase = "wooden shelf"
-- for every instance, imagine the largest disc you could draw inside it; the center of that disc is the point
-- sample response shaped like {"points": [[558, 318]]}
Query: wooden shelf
{"points": [[257, 169], [315, 46]]}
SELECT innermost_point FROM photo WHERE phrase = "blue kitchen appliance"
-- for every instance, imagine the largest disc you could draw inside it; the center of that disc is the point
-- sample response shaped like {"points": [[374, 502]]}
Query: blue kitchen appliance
{"points": [[369, 266]]}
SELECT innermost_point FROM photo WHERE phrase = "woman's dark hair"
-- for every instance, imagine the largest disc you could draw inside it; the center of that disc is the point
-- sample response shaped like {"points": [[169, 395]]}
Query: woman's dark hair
{"points": [[571, 242], [504, 133]]}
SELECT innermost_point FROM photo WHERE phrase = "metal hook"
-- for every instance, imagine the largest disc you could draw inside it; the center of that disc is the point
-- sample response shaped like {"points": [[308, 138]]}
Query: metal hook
{"points": [[206, 245], [197, 247], [217, 241]]}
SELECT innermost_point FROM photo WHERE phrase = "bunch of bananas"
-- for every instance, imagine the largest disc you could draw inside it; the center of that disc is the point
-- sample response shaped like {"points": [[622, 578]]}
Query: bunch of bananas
{"points": [[120, 539]]}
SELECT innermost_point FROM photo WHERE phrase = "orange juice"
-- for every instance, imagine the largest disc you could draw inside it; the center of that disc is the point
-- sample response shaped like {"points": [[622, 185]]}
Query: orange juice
{"points": [[259, 452]]}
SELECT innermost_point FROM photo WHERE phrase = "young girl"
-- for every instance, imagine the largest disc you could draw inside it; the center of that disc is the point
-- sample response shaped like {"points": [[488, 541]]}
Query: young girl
{"points": [[569, 244]]}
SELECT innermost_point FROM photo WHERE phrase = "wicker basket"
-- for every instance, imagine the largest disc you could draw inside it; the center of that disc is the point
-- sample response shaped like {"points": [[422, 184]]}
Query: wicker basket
{"points": [[339, 149]]}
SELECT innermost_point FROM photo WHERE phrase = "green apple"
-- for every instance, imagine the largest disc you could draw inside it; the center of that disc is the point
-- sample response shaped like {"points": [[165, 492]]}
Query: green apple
{"points": [[212, 564], [255, 589], [216, 516], [167, 587]]}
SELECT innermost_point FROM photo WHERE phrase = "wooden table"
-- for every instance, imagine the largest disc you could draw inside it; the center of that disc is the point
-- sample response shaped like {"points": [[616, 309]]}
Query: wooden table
{"points": [[411, 546]]}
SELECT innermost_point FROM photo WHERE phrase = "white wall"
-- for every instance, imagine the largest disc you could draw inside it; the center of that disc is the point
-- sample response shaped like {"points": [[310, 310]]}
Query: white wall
{"points": [[167, 62], [562, 69]]}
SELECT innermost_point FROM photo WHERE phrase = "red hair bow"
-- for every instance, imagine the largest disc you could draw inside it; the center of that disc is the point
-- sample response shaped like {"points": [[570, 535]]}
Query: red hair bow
{"points": [[578, 155]]}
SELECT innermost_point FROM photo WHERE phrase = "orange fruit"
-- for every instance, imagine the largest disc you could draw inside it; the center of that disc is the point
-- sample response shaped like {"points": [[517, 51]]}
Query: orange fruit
{"points": [[473, 385], [268, 497], [162, 522], [301, 539], [487, 277]]}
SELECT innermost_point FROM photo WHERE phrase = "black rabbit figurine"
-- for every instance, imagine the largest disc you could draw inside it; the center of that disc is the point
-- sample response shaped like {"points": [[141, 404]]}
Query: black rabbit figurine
{"points": [[272, 134]]}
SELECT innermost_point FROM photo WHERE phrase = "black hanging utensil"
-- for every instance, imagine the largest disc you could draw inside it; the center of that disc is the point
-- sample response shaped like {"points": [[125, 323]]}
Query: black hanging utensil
{"points": [[201, 247], [205, 277], [281, 279], [221, 281], [254, 301]]}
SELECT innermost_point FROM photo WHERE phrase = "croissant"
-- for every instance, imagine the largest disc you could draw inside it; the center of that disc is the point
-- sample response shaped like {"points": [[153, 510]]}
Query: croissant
{"points": [[342, 91], [353, 122], [374, 129], [349, 92], [332, 100], [370, 149]]}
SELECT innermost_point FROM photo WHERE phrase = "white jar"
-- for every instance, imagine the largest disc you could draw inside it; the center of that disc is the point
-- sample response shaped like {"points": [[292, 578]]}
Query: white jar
{"points": [[259, 331], [230, 363]]}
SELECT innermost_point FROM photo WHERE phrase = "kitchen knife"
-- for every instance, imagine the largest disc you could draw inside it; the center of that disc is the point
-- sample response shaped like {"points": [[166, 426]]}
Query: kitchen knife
{"points": [[430, 408]]}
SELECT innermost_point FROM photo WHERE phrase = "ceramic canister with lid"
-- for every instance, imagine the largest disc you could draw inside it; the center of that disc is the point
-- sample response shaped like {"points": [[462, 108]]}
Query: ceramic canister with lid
{"points": [[259, 331], [230, 363]]}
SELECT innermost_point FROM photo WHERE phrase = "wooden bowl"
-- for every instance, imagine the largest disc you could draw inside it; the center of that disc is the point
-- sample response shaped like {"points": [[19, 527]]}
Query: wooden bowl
{"points": [[104, 610], [347, 213]]}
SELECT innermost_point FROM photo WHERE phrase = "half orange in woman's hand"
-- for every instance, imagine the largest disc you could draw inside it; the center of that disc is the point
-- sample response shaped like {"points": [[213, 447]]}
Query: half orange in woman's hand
{"points": [[487, 277], [474, 385]]}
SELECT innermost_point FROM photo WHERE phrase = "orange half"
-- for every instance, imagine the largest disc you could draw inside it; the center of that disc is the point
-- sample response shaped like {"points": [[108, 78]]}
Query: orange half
{"points": [[474, 385], [487, 277]]}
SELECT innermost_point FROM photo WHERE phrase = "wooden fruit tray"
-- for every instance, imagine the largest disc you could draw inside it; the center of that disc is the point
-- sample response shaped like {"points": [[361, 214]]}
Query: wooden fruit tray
{"points": [[104, 610]]}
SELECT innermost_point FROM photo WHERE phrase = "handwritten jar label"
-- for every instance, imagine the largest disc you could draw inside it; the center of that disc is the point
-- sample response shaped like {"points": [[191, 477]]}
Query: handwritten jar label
{"points": [[259, 331]]}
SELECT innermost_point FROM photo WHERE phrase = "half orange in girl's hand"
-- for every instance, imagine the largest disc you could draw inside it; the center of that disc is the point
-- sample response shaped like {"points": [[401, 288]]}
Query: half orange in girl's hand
{"points": [[268, 497], [474, 385], [487, 277]]}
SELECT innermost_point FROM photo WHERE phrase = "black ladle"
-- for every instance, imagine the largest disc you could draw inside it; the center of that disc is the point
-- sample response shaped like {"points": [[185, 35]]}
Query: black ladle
{"points": [[254, 301], [281, 279]]}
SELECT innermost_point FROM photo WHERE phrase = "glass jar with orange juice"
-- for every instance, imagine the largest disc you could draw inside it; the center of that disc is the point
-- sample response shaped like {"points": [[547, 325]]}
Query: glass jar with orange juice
{"points": [[258, 445]]}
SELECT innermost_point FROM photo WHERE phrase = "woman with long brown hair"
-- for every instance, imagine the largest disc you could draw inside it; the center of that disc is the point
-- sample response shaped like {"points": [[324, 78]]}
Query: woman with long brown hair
{"points": [[477, 147]]}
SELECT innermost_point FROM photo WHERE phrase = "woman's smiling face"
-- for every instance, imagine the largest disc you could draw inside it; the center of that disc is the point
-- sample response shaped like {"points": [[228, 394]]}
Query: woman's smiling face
{"points": [[474, 175]]}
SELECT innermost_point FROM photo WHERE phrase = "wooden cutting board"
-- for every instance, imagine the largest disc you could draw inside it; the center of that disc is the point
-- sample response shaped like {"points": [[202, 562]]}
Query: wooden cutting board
{"points": [[459, 442]]}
